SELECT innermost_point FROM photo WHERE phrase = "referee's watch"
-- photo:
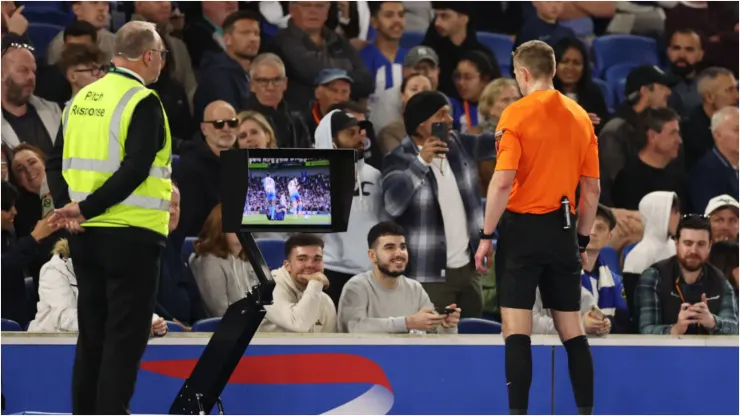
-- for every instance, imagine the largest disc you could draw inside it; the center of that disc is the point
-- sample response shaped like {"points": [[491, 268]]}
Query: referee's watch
{"points": [[484, 236]]}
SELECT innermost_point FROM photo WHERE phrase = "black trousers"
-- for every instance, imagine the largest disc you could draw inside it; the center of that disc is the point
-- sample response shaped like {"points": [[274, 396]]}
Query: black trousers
{"points": [[117, 280]]}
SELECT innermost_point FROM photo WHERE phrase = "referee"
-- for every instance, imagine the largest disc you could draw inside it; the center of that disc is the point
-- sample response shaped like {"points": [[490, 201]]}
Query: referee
{"points": [[110, 170], [546, 146]]}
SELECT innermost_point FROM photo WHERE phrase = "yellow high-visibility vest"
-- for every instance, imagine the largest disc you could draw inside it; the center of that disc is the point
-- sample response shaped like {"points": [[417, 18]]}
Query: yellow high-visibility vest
{"points": [[95, 125]]}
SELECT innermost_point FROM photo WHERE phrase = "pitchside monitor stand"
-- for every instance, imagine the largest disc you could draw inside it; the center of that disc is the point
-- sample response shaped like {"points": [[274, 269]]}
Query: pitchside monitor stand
{"points": [[202, 389]]}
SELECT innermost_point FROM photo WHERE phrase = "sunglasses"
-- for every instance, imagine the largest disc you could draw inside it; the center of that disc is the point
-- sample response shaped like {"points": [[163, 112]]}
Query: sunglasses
{"points": [[219, 124], [698, 216], [18, 45]]}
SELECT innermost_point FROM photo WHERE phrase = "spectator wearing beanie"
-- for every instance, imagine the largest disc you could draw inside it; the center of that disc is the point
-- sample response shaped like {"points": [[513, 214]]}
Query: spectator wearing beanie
{"points": [[437, 200]]}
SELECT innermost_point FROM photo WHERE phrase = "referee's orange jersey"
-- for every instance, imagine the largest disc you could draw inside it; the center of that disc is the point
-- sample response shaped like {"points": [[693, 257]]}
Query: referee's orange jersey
{"points": [[550, 142]]}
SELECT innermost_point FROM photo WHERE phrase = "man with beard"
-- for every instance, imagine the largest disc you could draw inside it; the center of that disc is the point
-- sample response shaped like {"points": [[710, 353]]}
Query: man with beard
{"points": [[26, 118], [384, 59], [383, 300], [685, 54], [723, 213], [199, 170], [685, 295], [344, 258], [223, 74]]}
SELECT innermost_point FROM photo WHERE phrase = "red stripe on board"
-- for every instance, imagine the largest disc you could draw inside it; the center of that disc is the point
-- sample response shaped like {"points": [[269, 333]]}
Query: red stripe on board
{"points": [[287, 369]]}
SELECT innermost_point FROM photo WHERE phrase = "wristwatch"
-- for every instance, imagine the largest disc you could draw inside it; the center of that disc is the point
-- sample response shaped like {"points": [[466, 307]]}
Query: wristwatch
{"points": [[484, 236]]}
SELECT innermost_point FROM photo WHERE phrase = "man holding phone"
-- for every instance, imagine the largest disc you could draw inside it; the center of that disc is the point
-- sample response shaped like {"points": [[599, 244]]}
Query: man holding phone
{"points": [[431, 187], [383, 300]]}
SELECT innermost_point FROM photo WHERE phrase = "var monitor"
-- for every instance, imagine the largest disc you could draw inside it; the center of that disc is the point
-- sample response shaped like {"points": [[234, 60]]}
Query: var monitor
{"points": [[287, 190]]}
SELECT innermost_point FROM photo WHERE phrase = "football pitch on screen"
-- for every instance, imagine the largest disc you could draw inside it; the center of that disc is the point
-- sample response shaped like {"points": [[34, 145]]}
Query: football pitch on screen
{"points": [[259, 219]]}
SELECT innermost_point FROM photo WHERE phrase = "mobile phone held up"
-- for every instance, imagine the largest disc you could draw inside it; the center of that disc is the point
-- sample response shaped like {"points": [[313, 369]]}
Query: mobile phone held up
{"points": [[445, 311], [441, 131]]}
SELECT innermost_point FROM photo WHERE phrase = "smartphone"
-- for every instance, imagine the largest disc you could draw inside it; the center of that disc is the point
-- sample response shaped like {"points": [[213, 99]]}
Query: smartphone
{"points": [[445, 311], [441, 131], [597, 312]]}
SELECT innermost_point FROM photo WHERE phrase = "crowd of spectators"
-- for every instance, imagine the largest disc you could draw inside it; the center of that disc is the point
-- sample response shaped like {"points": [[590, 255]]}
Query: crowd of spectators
{"points": [[268, 74]]}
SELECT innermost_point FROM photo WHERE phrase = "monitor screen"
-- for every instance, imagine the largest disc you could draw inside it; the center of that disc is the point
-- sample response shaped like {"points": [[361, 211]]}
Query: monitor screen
{"points": [[289, 191]]}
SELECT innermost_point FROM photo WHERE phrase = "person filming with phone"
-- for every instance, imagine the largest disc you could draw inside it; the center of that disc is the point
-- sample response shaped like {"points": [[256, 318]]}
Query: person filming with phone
{"points": [[431, 188]]}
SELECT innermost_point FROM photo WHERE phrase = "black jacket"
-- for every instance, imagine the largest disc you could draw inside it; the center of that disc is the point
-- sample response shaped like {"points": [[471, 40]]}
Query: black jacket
{"points": [[16, 256], [198, 175], [220, 78], [289, 126], [177, 297]]}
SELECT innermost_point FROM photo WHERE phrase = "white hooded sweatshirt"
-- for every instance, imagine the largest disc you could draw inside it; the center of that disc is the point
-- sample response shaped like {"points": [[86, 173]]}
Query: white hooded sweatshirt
{"points": [[656, 244], [347, 252], [293, 310]]}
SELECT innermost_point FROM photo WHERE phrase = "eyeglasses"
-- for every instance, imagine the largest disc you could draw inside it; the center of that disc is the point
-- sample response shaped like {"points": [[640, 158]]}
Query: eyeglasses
{"points": [[264, 82], [162, 52], [219, 124], [18, 45], [95, 70]]}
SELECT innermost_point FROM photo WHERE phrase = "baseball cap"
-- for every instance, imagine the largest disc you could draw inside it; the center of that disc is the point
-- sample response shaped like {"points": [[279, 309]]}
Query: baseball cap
{"points": [[332, 74], [721, 201], [648, 75], [606, 212], [418, 54], [342, 121]]}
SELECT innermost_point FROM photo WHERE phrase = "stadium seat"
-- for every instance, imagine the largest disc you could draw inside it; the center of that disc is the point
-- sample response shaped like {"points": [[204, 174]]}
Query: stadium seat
{"points": [[30, 289], [48, 15], [34, 5], [269, 30], [175, 160], [207, 325], [478, 326], [501, 47], [612, 50], [8, 325], [188, 248], [619, 90], [606, 91], [173, 327], [618, 72], [626, 250], [41, 35], [411, 39], [273, 250]]}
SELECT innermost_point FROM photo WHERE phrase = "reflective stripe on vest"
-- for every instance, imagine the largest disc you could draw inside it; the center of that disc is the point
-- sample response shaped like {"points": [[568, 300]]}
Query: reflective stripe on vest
{"points": [[113, 162]]}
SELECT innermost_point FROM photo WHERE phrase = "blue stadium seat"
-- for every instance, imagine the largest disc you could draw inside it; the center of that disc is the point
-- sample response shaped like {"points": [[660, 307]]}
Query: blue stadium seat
{"points": [[41, 35], [175, 160], [478, 326], [48, 15], [411, 39], [606, 91], [188, 248], [618, 72], [626, 250], [207, 325], [269, 30], [33, 5], [273, 250], [8, 325], [173, 327], [619, 90], [501, 47], [612, 50], [30, 288]]}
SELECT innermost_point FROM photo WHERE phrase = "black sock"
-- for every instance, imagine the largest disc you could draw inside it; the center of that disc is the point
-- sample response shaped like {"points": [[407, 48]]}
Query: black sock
{"points": [[581, 368], [518, 372]]}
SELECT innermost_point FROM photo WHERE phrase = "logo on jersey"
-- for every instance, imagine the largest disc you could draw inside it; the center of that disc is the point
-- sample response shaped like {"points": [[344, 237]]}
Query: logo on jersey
{"points": [[498, 135]]}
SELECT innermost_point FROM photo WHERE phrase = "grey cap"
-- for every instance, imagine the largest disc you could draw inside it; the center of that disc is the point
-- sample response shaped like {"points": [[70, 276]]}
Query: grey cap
{"points": [[418, 54]]}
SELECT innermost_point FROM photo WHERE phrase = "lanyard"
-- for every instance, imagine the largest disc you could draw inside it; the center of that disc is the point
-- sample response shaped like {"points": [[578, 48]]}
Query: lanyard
{"points": [[466, 106], [315, 113], [678, 289]]}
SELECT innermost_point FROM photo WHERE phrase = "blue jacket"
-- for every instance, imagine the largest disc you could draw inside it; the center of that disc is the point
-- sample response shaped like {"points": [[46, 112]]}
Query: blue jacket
{"points": [[220, 78], [712, 176]]}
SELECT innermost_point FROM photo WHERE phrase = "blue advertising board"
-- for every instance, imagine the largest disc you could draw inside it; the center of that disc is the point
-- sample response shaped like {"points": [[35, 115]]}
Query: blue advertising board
{"points": [[343, 374]]}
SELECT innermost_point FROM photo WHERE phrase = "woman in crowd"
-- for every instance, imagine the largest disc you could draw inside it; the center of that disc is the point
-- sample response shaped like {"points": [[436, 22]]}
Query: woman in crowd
{"points": [[573, 78], [34, 200], [255, 132], [391, 135], [220, 267], [724, 256], [57, 307], [7, 156], [474, 71]]}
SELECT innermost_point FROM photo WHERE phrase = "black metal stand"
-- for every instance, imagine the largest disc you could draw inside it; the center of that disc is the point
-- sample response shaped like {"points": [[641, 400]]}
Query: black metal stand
{"points": [[202, 389]]}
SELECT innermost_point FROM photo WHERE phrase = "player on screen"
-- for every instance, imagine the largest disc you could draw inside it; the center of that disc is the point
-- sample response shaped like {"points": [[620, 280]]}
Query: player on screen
{"points": [[269, 186], [295, 197]]}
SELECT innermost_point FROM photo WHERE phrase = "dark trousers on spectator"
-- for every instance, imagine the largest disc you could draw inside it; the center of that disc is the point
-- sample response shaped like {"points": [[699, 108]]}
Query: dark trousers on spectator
{"points": [[462, 287], [336, 284], [117, 280]]}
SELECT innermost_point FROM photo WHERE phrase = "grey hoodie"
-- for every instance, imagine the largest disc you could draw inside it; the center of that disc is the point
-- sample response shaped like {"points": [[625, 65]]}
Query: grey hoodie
{"points": [[221, 282]]}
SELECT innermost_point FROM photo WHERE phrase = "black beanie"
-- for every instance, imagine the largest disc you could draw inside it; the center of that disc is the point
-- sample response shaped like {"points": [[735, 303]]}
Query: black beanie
{"points": [[420, 108]]}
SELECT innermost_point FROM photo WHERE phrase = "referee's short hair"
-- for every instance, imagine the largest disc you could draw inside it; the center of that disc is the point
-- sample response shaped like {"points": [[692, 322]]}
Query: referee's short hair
{"points": [[538, 57]]}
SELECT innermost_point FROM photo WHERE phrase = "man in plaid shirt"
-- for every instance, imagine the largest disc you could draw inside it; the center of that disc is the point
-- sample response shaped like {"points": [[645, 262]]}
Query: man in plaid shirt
{"points": [[684, 294], [431, 188]]}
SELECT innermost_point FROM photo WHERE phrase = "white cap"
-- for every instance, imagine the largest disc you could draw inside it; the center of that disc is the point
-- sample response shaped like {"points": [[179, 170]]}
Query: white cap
{"points": [[719, 202]]}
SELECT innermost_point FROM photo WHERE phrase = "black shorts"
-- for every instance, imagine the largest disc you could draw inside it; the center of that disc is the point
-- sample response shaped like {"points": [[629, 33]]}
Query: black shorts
{"points": [[535, 250]]}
